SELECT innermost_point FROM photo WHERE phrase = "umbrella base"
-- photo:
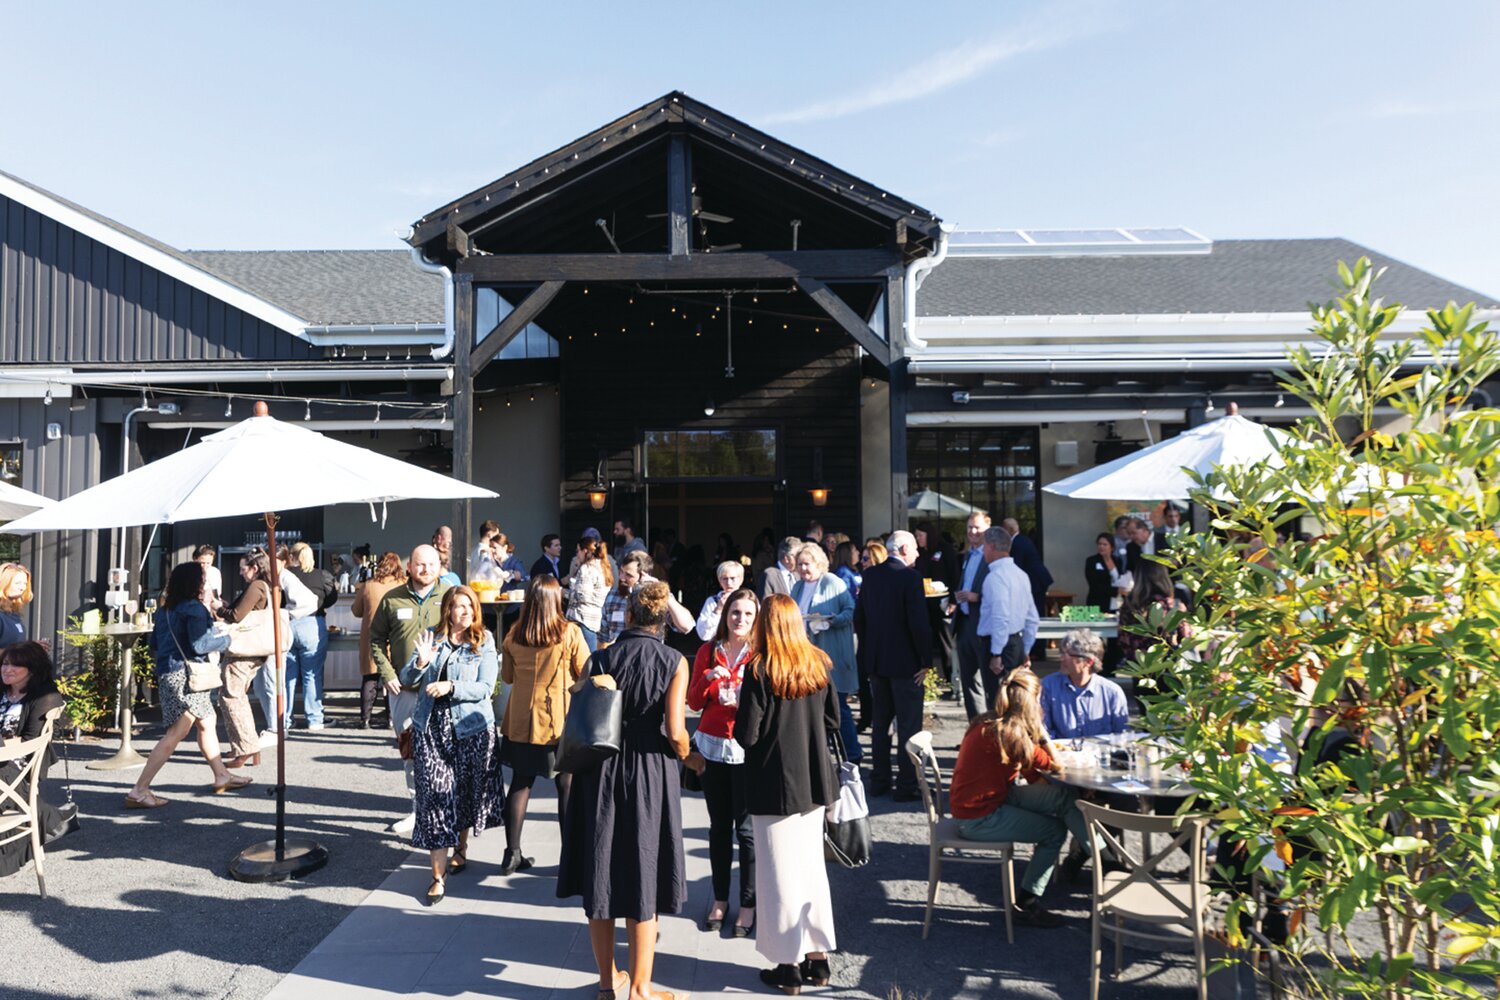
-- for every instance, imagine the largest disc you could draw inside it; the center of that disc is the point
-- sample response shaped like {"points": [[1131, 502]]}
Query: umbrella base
{"points": [[259, 863]]}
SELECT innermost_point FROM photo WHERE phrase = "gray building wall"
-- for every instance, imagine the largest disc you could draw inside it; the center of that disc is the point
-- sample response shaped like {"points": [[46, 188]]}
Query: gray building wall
{"points": [[64, 565], [68, 299]]}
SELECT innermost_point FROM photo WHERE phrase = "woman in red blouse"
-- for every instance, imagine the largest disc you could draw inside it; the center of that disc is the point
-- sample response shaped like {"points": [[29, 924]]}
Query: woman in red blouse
{"points": [[1000, 791], [718, 672]]}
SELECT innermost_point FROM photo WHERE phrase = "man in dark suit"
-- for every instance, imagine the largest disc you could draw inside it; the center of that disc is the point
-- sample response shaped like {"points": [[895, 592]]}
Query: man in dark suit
{"points": [[1029, 561], [550, 563], [895, 648], [778, 579], [978, 685]]}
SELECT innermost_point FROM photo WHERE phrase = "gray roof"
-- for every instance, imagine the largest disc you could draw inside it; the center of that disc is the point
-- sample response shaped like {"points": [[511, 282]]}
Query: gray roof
{"points": [[334, 287], [1238, 276]]}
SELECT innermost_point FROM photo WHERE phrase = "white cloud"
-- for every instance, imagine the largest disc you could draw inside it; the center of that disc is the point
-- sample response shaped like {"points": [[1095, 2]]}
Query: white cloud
{"points": [[937, 72]]}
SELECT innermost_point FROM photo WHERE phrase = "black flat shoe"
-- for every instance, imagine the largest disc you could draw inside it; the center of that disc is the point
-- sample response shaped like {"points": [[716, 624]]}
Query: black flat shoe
{"points": [[746, 930], [786, 978], [514, 862], [710, 924], [433, 898], [815, 971]]}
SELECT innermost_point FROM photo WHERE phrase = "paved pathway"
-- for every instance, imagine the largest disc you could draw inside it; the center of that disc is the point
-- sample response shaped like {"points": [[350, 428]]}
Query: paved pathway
{"points": [[511, 936]]}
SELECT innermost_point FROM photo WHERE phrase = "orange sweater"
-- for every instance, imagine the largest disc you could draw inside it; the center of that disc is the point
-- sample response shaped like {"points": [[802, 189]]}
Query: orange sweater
{"points": [[981, 780]]}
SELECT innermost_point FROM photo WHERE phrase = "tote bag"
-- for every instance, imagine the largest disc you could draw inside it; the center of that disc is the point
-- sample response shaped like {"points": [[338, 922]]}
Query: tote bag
{"points": [[253, 637], [847, 832], [202, 675], [593, 730]]}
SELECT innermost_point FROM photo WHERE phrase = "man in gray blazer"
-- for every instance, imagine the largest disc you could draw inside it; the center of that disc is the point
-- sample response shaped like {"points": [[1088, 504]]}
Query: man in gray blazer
{"points": [[979, 685], [778, 579]]}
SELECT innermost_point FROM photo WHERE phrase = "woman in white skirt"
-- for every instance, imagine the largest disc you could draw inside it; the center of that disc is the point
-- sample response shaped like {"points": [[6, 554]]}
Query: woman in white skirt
{"points": [[787, 709]]}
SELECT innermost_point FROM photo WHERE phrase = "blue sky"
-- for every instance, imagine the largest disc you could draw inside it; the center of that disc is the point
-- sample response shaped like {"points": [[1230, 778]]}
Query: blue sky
{"points": [[291, 125]]}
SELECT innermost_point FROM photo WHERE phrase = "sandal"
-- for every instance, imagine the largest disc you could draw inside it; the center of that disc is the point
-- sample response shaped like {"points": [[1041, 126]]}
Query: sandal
{"points": [[150, 801], [620, 974], [234, 782], [433, 898], [459, 861]]}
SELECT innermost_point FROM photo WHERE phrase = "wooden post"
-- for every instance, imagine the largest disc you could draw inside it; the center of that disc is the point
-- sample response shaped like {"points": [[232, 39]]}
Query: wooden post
{"points": [[895, 315], [679, 198], [463, 416]]}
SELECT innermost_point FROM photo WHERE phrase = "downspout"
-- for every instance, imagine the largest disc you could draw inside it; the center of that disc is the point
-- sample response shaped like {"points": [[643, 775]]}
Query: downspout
{"points": [[446, 347], [916, 271]]}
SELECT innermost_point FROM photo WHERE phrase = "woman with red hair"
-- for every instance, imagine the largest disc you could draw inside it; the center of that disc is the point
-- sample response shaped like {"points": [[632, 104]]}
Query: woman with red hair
{"points": [[787, 709], [15, 594]]}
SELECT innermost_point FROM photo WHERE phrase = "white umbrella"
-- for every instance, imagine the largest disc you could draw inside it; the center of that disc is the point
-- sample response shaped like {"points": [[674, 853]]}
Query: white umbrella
{"points": [[16, 502], [258, 466], [933, 502], [1160, 472]]}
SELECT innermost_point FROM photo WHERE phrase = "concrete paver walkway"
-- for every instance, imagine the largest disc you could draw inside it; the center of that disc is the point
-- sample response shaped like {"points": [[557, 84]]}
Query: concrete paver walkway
{"points": [[498, 936]]}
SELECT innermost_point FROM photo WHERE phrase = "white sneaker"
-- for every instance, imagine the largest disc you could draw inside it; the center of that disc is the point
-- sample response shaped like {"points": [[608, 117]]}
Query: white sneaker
{"points": [[405, 825], [268, 738], [315, 727]]}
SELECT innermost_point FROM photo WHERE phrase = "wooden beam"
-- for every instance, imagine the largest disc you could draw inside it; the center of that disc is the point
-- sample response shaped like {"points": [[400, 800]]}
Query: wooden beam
{"points": [[851, 321], [736, 265], [463, 416], [527, 310], [458, 241], [679, 197]]}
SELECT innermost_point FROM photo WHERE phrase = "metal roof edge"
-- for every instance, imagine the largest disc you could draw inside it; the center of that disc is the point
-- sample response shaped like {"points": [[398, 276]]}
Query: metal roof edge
{"points": [[117, 237]]}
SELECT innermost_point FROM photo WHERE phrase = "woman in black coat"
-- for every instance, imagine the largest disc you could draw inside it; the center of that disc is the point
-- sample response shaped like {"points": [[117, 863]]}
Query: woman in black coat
{"points": [[622, 832], [27, 693], [787, 709]]}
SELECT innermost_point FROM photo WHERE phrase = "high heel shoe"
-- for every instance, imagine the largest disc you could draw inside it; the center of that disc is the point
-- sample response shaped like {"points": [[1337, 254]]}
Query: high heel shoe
{"points": [[713, 924], [786, 978], [745, 930], [815, 971], [244, 760], [514, 861]]}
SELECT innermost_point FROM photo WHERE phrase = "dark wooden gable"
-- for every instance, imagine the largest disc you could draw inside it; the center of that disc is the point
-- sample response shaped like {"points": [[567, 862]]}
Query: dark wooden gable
{"points": [[618, 175], [69, 299]]}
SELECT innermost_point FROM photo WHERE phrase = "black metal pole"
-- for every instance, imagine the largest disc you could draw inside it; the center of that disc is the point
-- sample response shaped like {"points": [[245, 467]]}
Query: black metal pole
{"points": [[280, 662]]}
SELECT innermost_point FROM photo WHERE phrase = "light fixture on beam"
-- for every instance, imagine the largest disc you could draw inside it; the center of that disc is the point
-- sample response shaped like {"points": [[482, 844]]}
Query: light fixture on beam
{"points": [[598, 492], [819, 496], [819, 492]]}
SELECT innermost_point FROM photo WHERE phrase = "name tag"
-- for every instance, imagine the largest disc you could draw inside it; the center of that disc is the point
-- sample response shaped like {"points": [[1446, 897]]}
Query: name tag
{"points": [[404, 614], [617, 617]]}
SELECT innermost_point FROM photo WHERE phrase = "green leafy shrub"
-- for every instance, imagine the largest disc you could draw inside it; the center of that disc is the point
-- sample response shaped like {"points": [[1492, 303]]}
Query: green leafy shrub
{"points": [[90, 680], [1383, 628]]}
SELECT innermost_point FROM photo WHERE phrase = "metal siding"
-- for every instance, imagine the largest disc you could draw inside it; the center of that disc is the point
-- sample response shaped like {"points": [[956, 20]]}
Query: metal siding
{"points": [[68, 299]]}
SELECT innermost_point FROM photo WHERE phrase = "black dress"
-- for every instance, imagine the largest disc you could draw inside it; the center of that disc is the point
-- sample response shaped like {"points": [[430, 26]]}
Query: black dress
{"points": [[622, 836]]}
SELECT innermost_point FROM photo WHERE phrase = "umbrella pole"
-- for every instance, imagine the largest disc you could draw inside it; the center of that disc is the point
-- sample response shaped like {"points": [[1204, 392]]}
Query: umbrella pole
{"points": [[278, 860]]}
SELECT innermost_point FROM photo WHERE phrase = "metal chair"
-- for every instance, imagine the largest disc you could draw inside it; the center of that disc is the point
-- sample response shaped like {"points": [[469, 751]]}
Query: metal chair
{"points": [[1139, 893], [18, 813], [944, 841]]}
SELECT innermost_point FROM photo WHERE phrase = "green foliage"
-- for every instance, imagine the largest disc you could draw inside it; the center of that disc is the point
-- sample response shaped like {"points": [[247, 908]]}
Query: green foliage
{"points": [[1385, 625], [91, 682]]}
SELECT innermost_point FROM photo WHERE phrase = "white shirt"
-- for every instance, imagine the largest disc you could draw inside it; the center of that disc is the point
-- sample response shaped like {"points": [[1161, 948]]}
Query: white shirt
{"points": [[708, 618], [1007, 607]]}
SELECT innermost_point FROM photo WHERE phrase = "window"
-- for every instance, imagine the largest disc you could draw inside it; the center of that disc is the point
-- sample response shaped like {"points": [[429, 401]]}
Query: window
{"points": [[10, 472], [710, 454], [491, 307], [994, 469]]}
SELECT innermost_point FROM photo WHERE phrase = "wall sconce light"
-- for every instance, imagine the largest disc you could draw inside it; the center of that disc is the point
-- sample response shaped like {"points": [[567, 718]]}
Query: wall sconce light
{"points": [[598, 492], [819, 492], [708, 408]]}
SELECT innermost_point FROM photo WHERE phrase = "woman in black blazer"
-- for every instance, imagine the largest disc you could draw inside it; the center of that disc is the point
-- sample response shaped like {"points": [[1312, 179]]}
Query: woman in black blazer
{"points": [[787, 709], [27, 693], [1102, 573]]}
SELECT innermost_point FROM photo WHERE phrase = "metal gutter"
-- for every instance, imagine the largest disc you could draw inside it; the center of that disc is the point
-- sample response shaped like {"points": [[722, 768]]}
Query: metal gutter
{"points": [[205, 376]]}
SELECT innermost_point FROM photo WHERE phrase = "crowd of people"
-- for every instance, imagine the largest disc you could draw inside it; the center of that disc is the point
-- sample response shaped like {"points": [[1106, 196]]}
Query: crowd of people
{"points": [[772, 669]]}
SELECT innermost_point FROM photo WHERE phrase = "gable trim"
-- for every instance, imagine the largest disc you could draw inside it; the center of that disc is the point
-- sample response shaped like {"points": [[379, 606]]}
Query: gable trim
{"points": [[210, 284]]}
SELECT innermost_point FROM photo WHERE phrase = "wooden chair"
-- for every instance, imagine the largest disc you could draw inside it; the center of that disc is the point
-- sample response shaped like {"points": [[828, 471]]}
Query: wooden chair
{"points": [[944, 841], [1139, 894], [18, 813]]}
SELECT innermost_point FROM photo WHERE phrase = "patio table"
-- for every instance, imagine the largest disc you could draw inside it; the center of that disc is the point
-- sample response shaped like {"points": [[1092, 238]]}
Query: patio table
{"points": [[124, 635]]}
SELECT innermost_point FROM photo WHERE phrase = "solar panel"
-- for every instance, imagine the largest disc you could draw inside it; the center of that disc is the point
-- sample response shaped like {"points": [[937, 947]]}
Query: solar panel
{"points": [[1074, 242]]}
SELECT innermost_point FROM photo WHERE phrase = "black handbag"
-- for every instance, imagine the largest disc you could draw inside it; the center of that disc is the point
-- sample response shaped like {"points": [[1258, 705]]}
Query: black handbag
{"points": [[692, 781], [846, 834], [593, 730]]}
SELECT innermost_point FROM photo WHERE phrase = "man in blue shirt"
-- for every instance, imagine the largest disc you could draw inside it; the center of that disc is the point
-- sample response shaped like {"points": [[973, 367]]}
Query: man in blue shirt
{"points": [[1076, 703]]}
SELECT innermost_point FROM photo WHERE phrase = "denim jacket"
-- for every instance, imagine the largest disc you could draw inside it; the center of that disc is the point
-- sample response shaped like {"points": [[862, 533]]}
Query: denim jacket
{"points": [[473, 676], [194, 634]]}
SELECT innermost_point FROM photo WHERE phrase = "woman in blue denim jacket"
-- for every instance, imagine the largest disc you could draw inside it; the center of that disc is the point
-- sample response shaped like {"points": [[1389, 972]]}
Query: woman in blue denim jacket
{"points": [[460, 789], [184, 630]]}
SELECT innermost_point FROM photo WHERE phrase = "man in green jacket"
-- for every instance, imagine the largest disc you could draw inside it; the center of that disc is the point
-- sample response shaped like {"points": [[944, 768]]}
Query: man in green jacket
{"points": [[405, 613]]}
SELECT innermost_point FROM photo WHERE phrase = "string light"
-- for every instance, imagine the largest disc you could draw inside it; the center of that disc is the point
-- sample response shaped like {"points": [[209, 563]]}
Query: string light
{"points": [[229, 407], [1280, 402], [307, 414], [377, 413]]}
